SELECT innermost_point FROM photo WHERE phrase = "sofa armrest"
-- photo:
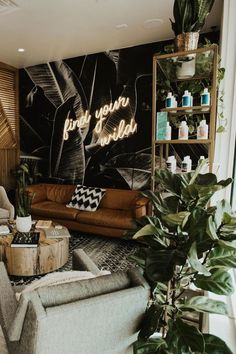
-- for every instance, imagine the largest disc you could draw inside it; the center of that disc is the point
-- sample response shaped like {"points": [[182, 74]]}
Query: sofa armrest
{"points": [[141, 207], [8, 303], [80, 261], [5, 203], [39, 191]]}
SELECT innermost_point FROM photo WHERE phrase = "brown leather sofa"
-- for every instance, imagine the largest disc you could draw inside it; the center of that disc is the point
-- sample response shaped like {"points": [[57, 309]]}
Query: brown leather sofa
{"points": [[116, 213]]}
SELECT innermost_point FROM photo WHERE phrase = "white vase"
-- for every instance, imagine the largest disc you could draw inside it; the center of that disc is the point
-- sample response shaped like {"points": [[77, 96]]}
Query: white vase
{"points": [[186, 69], [23, 223]]}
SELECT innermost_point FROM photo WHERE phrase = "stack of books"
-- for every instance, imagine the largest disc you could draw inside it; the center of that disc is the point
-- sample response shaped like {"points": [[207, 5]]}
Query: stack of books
{"points": [[26, 239]]}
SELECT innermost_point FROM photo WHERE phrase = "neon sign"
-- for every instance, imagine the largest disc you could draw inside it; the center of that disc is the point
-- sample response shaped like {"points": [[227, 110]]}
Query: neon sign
{"points": [[123, 130]]}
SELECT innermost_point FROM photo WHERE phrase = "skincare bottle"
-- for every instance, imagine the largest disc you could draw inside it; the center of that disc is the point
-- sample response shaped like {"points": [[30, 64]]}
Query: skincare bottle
{"points": [[205, 99], [183, 131], [186, 165], [186, 100], [171, 164], [202, 130], [168, 131], [169, 100]]}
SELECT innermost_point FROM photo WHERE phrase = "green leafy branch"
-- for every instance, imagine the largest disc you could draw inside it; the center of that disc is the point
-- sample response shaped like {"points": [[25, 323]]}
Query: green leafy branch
{"points": [[186, 242]]}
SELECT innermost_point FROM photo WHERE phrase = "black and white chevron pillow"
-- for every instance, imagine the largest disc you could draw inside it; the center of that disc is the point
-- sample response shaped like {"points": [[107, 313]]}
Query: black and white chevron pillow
{"points": [[86, 198]]}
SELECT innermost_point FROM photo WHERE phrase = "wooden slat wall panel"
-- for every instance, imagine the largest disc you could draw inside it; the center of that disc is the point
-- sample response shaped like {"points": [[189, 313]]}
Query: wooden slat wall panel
{"points": [[8, 95], [9, 124], [8, 161]]}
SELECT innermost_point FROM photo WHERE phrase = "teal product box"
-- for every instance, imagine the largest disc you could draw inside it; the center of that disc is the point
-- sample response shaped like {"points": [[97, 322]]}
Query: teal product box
{"points": [[161, 125]]}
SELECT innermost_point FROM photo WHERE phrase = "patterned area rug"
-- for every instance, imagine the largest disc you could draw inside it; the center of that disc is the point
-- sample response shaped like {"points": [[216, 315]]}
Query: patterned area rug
{"points": [[107, 253]]}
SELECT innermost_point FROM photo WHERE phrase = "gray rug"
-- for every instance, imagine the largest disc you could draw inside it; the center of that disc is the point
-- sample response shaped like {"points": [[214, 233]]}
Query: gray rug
{"points": [[107, 253]]}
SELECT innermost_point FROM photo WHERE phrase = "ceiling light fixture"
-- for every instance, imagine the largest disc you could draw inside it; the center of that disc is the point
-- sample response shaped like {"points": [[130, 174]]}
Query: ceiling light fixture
{"points": [[20, 50], [122, 26], [153, 23]]}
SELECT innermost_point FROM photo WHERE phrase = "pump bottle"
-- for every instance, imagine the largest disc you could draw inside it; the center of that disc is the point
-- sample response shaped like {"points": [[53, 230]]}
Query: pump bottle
{"points": [[202, 130], [183, 131]]}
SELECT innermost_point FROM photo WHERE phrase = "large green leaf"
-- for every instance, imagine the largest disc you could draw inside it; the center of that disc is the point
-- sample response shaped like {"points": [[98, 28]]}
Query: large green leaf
{"points": [[169, 181], [211, 228], [151, 346], [157, 201], [222, 257], [222, 207], [204, 304], [148, 230], [219, 282], [208, 179], [173, 204], [150, 321], [215, 345], [228, 245], [160, 263], [176, 219], [194, 261], [225, 182], [186, 336]]}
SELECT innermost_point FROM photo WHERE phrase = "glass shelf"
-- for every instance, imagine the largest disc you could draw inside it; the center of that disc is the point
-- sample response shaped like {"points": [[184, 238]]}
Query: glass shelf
{"points": [[186, 110], [189, 141]]}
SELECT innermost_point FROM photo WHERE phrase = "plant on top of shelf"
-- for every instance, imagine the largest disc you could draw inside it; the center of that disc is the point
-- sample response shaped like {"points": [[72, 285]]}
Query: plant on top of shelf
{"points": [[189, 18], [186, 242]]}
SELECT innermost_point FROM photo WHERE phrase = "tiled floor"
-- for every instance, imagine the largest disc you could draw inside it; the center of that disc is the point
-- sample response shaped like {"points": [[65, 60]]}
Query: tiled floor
{"points": [[3, 348]]}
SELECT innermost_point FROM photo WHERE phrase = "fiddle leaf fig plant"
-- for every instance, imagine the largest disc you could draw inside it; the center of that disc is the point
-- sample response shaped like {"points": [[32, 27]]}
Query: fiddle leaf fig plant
{"points": [[185, 242]]}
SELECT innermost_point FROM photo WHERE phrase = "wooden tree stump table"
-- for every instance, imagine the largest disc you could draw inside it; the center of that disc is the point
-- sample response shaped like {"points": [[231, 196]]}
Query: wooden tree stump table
{"points": [[50, 255]]}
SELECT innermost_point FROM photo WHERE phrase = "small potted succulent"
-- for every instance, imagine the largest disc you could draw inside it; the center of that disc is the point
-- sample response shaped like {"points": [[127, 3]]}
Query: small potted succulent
{"points": [[23, 198]]}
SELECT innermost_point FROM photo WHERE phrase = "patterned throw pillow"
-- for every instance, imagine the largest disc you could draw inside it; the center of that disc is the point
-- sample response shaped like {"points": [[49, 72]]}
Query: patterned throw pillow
{"points": [[86, 198]]}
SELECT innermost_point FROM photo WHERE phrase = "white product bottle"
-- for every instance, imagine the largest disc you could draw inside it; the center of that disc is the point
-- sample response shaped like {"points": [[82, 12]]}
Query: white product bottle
{"points": [[169, 100], [186, 99], [183, 131], [186, 165], [205, 99], [191, 103], [202, 130], [171, 164], [168, 131]]}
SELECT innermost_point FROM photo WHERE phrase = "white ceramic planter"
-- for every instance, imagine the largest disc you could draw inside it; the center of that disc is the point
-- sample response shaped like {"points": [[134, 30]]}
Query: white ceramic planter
{"points": [[23, 223], [186, 69]]}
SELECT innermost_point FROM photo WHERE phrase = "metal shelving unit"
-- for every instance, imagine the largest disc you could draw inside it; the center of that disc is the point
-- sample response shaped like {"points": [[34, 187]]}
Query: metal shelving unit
{"points": [[160, 63]]}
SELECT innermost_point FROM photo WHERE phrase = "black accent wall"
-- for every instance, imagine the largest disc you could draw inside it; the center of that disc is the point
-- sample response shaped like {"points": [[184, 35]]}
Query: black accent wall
{"points": [[52, 92]]}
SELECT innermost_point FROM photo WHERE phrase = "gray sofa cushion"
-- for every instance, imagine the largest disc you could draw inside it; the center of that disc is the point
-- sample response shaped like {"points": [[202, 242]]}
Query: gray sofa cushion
{"points": [[84, 289]]}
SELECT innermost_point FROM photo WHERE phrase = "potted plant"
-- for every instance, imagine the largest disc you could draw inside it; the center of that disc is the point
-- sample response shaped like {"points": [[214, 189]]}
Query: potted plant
{"points": [[23, 198], [186, 242], [189, 18]]}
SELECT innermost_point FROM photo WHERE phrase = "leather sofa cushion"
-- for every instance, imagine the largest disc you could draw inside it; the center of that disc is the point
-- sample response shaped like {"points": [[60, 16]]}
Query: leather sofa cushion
{"points": [[60, 193], [121, 219], [119, 199], [54, 210]]}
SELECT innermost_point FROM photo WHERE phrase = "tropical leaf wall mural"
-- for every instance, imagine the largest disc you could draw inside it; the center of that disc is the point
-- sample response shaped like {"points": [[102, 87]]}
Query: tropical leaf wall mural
{"points": [[88, 119]]}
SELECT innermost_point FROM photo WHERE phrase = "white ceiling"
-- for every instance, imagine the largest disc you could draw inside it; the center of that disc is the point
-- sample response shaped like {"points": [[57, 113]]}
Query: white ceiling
{"points": [[56, 29]]}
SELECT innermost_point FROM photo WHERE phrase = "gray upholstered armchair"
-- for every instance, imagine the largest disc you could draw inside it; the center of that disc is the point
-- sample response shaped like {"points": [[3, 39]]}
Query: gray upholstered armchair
{"points": [[7, 210], [94, 316]]}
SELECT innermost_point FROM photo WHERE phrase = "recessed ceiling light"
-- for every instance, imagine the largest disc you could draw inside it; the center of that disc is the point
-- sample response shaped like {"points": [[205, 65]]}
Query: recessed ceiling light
{"points": [[122, 26], [152, 23], [20, 50]]}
